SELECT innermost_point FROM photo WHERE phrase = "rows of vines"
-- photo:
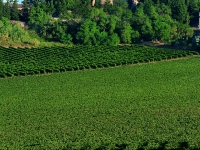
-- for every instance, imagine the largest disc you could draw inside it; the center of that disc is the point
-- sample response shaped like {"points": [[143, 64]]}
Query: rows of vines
{"points": [[25, 61]]}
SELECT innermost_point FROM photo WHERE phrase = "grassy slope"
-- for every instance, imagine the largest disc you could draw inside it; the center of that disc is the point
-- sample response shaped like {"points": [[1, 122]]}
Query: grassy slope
{"points": [[124, 105]]}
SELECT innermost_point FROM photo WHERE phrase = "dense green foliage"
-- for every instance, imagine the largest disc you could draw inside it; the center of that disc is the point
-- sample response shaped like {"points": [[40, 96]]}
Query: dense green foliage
{"points": [[6, 11], [1, 8], [128, 107], [79, 23], [14, 32], [151, 106], [16, 62], [25, 11], [14, 11]]}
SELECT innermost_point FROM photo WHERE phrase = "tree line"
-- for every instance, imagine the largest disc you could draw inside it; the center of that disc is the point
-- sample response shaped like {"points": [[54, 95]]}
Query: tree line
{"points": [[78, 22]]}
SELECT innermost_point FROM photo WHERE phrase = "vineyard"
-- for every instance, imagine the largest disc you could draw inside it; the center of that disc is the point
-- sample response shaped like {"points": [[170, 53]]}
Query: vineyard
{"points": [[25, 61], [154, 106]]}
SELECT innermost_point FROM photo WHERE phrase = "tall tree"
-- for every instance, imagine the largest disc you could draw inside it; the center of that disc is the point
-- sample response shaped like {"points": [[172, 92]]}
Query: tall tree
{"points": [[102, 21], [111, 26], [25, 10], [142, 23], [15, 11], [126, 33], [50, 8], [1, 8], [37, 17], [147, 7], [193, 9], [86, 33], [6, 10], [59, 32], [82, 8], [179, 11]]}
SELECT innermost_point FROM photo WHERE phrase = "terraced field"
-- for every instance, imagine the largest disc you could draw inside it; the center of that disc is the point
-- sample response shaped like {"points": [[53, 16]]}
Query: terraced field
{"points": [[149, 106]]}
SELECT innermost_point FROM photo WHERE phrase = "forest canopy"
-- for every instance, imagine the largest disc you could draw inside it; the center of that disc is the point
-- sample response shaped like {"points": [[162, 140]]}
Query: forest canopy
{"points": [[78, 22]]}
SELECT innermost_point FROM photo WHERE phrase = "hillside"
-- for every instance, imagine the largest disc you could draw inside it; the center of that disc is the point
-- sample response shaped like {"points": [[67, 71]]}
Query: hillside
{"points": [[118, 22]]}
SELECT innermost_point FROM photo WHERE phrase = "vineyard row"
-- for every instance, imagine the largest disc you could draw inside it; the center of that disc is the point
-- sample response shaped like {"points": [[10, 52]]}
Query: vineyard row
{"points": [[21, 62]]}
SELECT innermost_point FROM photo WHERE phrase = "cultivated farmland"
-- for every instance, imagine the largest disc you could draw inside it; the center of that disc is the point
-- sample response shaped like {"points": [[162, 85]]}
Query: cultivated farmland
{"points": [[22, 62], [148, 106]]}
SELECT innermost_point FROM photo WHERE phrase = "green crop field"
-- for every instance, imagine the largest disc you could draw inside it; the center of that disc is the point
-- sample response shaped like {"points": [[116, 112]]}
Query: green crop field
{"points": [[149, 106], [25, 61]]}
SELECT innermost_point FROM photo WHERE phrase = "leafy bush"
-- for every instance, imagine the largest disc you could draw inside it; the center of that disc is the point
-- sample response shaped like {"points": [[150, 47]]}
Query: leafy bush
{"points": [[14, 32]]}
